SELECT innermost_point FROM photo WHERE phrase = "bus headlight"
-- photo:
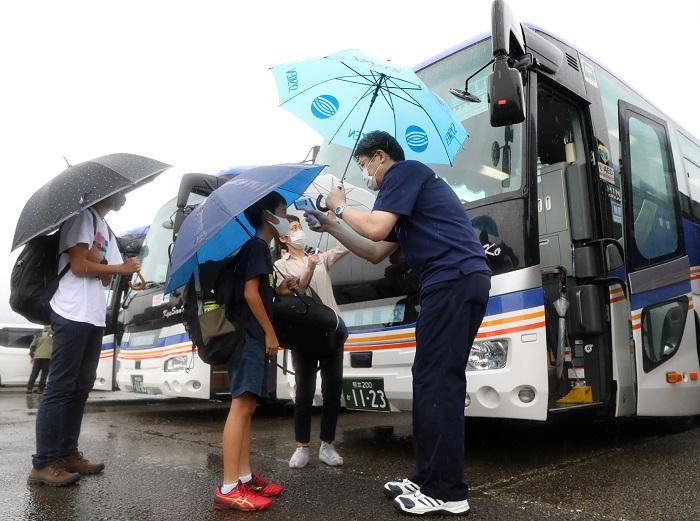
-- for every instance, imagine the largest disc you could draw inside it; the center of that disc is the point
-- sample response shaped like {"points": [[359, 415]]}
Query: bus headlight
{"points": [[488, 354], [176, 363]]}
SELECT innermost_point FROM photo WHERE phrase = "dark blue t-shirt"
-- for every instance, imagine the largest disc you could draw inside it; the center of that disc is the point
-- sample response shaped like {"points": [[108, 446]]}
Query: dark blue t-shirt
{"points": [[434, 230], [253, 260]]}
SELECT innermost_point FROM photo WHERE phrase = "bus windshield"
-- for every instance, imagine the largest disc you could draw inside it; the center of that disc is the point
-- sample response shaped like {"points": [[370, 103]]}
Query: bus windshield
{"points": [[491, 162], [154, 252]]}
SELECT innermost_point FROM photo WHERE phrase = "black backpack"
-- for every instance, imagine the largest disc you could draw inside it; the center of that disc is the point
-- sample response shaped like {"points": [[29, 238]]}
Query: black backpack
{"points": [[35, 277], [213, 327]]}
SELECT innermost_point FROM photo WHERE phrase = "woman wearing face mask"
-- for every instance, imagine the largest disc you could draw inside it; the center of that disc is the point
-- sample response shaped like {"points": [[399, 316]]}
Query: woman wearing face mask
{"points": [[312, 271]]}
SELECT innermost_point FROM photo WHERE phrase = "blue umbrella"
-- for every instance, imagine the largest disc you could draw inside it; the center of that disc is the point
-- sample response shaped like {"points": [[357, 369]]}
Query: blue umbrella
{"points": [[217, 227], [344, 93]]}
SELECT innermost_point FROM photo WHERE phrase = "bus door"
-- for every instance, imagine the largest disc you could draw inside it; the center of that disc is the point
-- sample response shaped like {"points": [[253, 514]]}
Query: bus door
{"points": [[658, 267], [579, 344]]}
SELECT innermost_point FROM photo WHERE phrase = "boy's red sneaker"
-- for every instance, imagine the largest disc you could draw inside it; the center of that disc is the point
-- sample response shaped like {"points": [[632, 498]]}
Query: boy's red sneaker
{"points": [[240, 498], [265, 488]]}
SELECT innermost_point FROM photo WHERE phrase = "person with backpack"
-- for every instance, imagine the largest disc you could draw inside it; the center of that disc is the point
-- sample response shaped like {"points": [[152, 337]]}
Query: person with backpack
{"points": [[78, 310], [313, 272], [40, 353], [251, 307]]}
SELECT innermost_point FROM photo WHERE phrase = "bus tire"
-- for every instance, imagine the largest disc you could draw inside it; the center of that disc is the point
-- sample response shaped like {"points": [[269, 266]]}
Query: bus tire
{"points": [[678, 424]]}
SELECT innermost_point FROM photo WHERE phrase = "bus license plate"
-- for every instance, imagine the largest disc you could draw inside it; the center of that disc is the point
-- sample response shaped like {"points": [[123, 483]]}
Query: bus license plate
{"points": [[137, 383], [365, 394]]}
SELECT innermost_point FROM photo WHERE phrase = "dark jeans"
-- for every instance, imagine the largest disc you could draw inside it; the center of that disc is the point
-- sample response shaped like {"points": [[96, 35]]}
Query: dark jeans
{"points": [[449, 319], [331, 388], [38, 365], [76, 353]]}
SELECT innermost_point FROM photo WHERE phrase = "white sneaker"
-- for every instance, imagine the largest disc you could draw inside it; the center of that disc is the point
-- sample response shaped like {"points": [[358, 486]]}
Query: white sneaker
{"points": [[397, 488], [419, 504], [300, 458], [328, 455]]}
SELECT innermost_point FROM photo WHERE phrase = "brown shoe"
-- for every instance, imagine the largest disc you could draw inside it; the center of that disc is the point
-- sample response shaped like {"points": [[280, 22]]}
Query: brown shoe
{"points": [[52, 475], [76, 463]]}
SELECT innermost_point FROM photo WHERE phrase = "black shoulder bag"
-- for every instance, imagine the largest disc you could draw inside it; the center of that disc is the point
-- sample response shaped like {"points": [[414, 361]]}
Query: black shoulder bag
{"points": [[305, 324]]}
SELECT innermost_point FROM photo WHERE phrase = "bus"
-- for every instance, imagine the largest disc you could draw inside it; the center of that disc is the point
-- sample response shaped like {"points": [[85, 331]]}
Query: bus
{"points": [[586, 199], [105, 377]]}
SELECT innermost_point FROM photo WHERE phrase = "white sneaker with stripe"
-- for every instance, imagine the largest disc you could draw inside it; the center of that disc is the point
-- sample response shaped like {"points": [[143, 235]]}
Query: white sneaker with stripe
{"points": [[396, 488], [418, 504]]}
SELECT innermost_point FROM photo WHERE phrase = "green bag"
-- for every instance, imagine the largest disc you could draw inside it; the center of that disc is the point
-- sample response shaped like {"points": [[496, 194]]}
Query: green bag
{"points": [[213, 322]]}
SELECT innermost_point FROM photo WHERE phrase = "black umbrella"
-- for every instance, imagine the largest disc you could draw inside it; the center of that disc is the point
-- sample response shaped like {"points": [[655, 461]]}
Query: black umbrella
{"points": [[80, 186]]}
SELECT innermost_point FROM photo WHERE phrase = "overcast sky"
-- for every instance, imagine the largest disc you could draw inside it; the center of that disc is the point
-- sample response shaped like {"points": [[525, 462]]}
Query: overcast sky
{"points": [[187, 82]]}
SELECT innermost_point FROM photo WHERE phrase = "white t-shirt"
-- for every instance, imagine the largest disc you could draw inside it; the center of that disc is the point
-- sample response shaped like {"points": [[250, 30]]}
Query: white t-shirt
{"points": [[82, 299]]}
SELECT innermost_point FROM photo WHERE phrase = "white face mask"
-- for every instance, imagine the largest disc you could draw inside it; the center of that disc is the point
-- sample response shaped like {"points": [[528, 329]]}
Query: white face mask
{"points": [[282, 226], [297, 239], [370, 180]]}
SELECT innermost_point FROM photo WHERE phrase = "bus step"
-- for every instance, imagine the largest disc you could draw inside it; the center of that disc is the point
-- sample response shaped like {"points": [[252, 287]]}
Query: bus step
{"points": [[575, 407]]}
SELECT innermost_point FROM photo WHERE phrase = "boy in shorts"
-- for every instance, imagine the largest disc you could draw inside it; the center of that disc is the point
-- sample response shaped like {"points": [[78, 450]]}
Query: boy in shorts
{"points": [[241, 489]]}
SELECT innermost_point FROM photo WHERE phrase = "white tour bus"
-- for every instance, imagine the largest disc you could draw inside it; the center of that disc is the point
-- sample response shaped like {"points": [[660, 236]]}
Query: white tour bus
{"points": [[586, 198]]}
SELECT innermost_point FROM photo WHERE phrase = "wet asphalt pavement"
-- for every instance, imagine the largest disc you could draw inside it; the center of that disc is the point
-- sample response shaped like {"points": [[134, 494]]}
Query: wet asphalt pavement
{"points": [[164, 458]]}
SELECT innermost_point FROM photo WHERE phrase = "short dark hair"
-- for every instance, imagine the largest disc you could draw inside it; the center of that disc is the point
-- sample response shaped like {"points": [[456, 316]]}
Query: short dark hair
{"points": [[379, 140], [254, 212]]}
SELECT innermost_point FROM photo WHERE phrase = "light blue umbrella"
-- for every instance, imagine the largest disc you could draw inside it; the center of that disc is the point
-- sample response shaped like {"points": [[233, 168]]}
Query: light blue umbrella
{"points": [[217, 228], [345, 93]]}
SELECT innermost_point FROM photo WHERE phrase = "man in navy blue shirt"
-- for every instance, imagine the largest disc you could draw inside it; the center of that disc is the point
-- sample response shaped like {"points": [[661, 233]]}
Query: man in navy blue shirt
{"points": [[418, 211]]}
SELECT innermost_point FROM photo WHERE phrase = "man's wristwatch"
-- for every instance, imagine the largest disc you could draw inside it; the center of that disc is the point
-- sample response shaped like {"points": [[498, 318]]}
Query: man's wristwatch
{"points": [[339, 211]]}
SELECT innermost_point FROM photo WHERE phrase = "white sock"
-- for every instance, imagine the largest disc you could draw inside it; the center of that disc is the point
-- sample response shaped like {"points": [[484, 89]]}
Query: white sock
{"points": [[228, 487], [246, 478]]}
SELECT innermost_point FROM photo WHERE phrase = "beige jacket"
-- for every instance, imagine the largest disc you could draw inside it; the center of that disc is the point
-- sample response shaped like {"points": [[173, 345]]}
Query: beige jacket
{"points": [[321, 278]]}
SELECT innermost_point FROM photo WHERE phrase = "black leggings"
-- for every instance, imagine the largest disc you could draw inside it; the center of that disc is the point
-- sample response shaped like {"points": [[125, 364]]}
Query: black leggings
{"points": [[331, 387]]}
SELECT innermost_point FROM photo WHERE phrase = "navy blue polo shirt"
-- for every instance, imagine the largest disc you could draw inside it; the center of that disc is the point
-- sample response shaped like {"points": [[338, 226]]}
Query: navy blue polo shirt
{"points": [[434, 230]]}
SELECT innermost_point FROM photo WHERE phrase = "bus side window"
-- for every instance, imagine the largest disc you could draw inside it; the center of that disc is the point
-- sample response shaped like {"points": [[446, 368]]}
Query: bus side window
{"points": [[693, 171], [655, 210]]}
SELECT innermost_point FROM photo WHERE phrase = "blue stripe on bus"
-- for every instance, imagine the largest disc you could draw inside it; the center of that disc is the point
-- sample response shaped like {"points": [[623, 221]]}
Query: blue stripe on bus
{"points": [[516, 301], [691, 232], [654, 296], [107, 346]]}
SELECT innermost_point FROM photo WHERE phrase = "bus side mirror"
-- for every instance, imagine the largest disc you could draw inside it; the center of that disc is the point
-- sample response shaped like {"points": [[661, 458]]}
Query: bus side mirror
{"points": [[506, 94]]}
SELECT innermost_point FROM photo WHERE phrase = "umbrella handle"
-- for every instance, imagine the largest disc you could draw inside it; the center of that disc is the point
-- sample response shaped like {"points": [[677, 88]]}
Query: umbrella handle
{"points": [[321, 206], [140, 285]]}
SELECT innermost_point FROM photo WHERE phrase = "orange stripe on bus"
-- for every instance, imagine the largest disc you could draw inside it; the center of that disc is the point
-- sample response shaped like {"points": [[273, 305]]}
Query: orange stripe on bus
{"points": [[410, 336], [617, 299], [370, 339], [401, 345], [499, 321], [379, 347], [507, 331], [147, 356], [154, 351]]}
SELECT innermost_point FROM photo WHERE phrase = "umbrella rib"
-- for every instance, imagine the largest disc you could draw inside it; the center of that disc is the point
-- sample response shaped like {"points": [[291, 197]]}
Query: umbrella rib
{"points": [[338, 78], [416, 86], [367, 93], [393, 111], [412, 101]]}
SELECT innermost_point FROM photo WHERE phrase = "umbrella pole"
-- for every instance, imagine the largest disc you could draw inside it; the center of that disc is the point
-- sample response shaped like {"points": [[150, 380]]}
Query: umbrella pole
{"points": [[359, 134]]}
